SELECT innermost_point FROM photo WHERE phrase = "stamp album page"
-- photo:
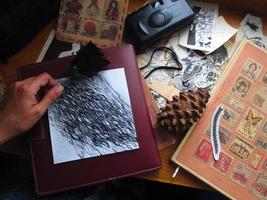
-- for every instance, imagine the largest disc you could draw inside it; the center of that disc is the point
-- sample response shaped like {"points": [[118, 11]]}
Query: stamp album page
{"points": [[240, 172]]}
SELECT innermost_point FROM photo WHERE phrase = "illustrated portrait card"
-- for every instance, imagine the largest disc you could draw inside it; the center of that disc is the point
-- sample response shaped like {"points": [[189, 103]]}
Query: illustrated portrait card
{"points": [[241, 169], [98, 21]]}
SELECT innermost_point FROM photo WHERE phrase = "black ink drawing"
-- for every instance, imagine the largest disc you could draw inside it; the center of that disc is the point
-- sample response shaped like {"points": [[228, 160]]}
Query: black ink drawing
{"points": [[92, 119], [198, 72], [252, 26], [200, 34], [219, 56], [201, 30]]}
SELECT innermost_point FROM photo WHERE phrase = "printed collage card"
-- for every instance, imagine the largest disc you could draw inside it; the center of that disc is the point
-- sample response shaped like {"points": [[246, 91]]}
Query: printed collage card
{"points": [[99, 21], [241, 170]]}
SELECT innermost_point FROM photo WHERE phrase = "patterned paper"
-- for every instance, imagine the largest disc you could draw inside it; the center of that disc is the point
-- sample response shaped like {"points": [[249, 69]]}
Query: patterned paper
{"points": [[241, 171]]}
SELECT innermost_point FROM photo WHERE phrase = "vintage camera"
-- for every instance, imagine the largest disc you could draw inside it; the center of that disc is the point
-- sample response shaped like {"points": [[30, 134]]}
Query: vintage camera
{"points": [[156, 20]]}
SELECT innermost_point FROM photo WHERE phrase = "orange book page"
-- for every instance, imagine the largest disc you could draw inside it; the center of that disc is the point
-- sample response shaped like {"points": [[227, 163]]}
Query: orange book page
{"points": [[240, 172]]}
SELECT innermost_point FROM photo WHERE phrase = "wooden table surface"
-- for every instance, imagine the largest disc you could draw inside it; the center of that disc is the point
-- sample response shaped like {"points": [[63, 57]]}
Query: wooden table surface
{"points": [[233, 12]]}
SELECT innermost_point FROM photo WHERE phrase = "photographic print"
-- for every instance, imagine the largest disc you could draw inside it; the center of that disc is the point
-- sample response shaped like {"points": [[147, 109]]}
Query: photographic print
{"points": [[200, 34], [92, 118]]}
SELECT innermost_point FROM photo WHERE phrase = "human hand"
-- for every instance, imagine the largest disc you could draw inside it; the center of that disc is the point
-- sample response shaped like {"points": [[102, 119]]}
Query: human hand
{"points": [[21, 108]]}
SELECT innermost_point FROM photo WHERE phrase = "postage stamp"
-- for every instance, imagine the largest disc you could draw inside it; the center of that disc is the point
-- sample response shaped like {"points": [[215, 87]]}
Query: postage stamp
{"points": [[223, 164], [241, 87], [224, 134], [262, 143], [259, 186], [234, 103], [256, 159], [241, 174], [251, 69], [264, 79], [241, 149], [258, 100], [264, 128], [264, 165], [259, 97], [230, 117], [204, 150], [250, 123]]}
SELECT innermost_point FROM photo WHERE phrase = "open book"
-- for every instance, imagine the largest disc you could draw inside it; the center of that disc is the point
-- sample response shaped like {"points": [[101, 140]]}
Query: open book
{"points": [[241, 170]]}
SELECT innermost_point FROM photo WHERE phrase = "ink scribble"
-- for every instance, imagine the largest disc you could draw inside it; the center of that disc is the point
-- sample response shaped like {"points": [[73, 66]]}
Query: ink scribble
{"points": [[93, 118]]}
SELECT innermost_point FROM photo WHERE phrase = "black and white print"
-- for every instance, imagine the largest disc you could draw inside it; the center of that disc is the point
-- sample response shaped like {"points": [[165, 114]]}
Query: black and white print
{"points": [[92, 118], [223, 33], [55, 48], [219, 56], [197, 72], [252, 26], [199, 35]]}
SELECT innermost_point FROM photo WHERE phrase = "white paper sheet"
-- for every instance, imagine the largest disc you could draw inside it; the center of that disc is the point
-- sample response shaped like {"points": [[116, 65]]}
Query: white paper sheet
{"points": [[223, 33], [92, 118], [252, 26]]}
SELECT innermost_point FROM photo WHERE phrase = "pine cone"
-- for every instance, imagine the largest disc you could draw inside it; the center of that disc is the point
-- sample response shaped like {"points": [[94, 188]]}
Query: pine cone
{"points": [[180, 113]]}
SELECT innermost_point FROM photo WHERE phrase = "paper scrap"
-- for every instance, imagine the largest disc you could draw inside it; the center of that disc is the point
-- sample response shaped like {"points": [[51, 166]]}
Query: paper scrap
{"points": [[223, 33], [181, 52], [164, 89], [200, 34], [252, 26], [198, 72], [161, 102], [219, 56]]}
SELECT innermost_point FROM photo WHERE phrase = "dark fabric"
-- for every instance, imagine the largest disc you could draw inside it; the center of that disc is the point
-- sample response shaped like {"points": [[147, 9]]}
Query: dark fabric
{"points": [[21, 20]]}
